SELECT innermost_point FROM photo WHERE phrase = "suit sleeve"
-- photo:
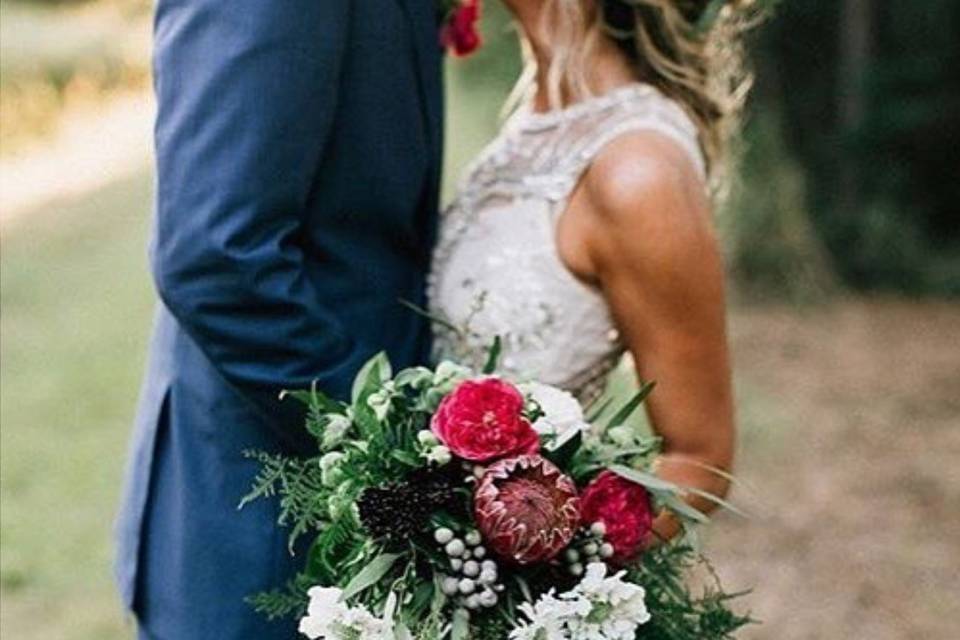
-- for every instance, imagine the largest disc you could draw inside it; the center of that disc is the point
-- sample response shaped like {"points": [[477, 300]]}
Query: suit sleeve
{"points": [[247, 91]]}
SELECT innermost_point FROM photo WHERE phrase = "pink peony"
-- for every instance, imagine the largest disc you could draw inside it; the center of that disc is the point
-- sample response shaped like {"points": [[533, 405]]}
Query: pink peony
{"points": [[482, 420], [459, 32], [526, 509], [623, 507]]}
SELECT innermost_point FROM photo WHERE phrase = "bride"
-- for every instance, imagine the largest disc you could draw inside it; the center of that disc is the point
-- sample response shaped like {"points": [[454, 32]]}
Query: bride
{"points": [[584, 230]]}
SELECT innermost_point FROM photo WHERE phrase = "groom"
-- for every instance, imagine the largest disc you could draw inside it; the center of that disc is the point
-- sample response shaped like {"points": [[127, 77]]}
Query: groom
{"points": [[298, 157]]}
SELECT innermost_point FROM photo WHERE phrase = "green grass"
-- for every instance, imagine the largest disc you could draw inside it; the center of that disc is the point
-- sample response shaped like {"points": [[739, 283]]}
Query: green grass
{"points": [[76, 307]]}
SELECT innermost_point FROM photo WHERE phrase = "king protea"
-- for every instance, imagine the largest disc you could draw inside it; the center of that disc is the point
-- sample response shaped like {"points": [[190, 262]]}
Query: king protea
{"points": [[526, 509]]}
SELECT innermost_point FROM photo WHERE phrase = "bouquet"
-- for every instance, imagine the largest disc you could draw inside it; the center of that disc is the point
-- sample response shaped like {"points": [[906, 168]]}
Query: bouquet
{"points": [[447, 503]]}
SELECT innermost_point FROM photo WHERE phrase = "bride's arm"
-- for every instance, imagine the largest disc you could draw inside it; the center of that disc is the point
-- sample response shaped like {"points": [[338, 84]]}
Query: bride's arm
{"points": [[651, 247]]}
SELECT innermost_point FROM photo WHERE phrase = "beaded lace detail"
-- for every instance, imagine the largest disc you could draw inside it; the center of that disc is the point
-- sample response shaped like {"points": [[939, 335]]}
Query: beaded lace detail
{"points": [[496, 270]]}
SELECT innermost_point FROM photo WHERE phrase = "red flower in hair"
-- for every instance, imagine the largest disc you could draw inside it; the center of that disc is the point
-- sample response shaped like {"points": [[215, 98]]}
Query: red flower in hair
{"points": [[459, 31], [625, 510]]}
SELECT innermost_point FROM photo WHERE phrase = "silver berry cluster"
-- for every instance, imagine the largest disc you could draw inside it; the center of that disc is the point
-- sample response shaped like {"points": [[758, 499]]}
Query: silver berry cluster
{"points": [[473, 579], [587, 547]]}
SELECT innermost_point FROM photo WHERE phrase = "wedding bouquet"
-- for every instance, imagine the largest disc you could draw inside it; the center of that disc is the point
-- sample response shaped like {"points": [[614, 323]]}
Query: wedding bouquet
{"points": [[452, 504]]}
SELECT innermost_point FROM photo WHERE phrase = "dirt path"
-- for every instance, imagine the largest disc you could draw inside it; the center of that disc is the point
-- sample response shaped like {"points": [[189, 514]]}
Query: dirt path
{"points": [[861, 478], [92, 148]]}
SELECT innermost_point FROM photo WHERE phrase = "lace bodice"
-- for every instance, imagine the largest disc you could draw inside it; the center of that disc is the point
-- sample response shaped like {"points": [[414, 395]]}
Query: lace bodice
{"points": [[496, 269]]}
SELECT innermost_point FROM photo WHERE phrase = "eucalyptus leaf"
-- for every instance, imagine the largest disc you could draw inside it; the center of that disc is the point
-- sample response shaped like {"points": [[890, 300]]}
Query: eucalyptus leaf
{"points": [[370, 575]]}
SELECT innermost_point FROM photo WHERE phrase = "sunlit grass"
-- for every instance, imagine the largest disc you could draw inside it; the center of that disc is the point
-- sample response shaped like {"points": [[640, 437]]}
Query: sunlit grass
{"points": [[76, 306]]}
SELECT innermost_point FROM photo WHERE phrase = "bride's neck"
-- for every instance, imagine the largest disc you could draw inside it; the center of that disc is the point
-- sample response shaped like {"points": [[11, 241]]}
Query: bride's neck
{"points": [[609, 68]]}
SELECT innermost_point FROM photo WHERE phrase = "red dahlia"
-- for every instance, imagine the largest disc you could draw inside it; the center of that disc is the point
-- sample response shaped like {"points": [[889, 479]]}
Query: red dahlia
{"points": [[526, 509], [482, 420], [623, 507]]}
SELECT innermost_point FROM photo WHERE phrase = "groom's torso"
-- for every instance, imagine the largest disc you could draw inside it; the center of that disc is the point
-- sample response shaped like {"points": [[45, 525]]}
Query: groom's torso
{"points": [[186, 557], [373, 211]]}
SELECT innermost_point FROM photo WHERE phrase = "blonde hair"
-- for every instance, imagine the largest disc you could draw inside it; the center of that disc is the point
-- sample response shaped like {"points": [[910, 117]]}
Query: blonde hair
{"points": [[691, 50]]}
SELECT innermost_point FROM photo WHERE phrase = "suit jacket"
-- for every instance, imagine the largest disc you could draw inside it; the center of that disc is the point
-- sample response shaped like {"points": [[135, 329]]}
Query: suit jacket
{"points": [[298, 148]]}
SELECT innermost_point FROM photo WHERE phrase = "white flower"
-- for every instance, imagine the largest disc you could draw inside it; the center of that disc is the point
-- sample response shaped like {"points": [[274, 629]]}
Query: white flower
{"points": [[562, 414], [439, 454], [329, 618], [599, 608]]}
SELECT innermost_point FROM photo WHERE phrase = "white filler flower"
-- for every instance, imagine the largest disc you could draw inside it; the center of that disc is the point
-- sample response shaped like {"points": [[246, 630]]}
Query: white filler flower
{"points": [[599, 608], [562, 414], [329, 618]]}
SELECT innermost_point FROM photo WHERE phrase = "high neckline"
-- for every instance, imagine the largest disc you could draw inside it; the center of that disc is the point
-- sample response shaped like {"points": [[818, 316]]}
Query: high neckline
{"points": [[527, 118]]}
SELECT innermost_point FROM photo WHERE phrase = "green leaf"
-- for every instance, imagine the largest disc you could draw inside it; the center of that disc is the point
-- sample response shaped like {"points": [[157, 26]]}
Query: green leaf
{"points": [[426, 314], [676, 504], [729, 506], [402, 632], [597, 409], [374, 373], [648, 480], [563, 449], [634, 403], [422, 597], [370, 574], [524, 588], [406, 457], [314, 398], [461, 625], [416, 377], [493, 356]]}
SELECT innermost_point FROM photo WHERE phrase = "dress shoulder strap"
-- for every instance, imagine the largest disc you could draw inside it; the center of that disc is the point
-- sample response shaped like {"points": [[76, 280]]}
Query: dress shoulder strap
{"points": [[643, 109]]}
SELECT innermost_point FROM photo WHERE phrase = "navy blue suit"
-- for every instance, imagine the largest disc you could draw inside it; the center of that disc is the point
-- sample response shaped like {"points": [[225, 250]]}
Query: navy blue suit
{"points": [[298, 154]]}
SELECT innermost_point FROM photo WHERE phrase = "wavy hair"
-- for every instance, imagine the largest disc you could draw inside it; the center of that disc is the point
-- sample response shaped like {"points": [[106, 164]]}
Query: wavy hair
{"points": [[691, 50]]}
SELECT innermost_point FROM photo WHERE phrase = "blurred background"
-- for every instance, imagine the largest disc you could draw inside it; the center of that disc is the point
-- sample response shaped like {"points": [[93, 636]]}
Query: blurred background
{"points": [[843, 244]]}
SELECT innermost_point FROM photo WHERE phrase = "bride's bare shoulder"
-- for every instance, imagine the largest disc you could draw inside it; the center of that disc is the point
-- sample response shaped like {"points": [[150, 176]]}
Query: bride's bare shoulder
{"points": [[645, 191]]}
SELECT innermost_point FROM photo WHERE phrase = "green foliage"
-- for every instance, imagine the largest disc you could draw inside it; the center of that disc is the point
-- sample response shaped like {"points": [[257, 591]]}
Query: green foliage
{"points": [[773, 250], [882, 181], [381, 451], [677, 613], [290, 601], [300, 486]]}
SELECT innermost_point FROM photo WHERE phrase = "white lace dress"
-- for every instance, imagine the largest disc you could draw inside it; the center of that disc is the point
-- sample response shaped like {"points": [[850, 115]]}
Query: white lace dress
{"points": [[496, 270]]}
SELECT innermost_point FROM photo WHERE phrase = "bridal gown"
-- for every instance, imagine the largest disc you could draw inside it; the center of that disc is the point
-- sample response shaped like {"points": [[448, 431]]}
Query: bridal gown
{"points": [[496, 269]]}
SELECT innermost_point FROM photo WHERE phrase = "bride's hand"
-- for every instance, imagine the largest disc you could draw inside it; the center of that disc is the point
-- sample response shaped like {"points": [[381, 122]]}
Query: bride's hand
{"points": [[640, 227]]}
